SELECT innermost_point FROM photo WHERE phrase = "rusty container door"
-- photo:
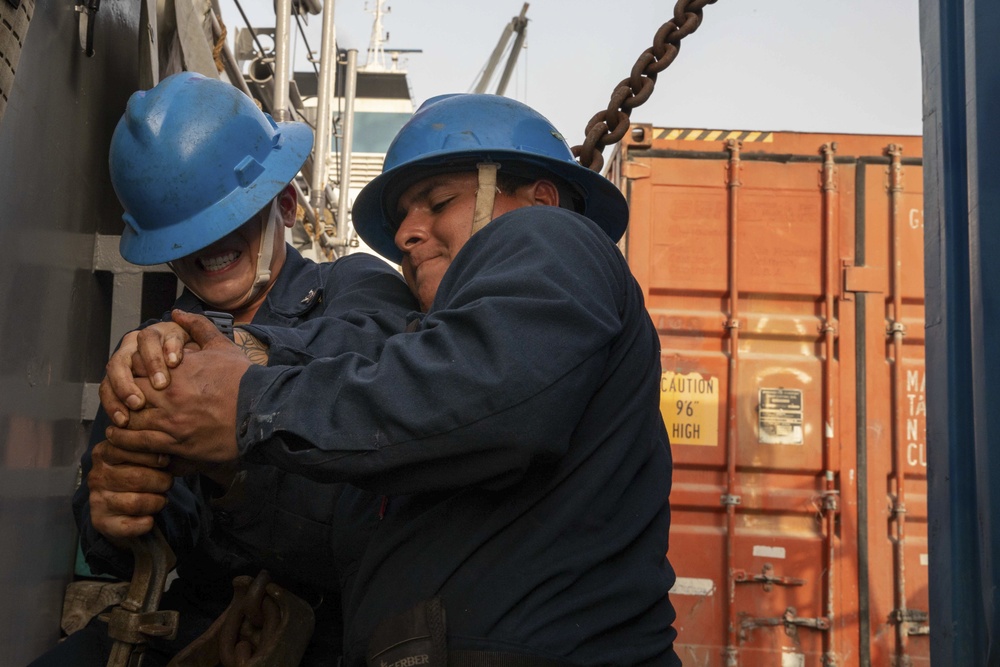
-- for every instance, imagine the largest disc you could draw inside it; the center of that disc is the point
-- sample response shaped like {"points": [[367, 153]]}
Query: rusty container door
{"points": [[783, 272], [891, 316]]}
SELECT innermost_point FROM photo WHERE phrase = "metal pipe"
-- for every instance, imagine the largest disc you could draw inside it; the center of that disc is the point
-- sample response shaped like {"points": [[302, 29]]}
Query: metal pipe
{"points": [[520, 24], [897, 330], [324, 115], [730, 500], [861, 415], [350, 88], [309, 211], [282, 37], [236, 78], [829, 330], [494, 59]]}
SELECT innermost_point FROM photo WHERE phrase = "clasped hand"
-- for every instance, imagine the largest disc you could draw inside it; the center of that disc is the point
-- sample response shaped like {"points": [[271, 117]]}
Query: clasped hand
{"points": [[190, 411], [169, 417]]}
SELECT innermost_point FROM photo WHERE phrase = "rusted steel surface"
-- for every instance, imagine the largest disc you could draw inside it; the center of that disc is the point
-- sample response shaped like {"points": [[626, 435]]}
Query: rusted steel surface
{"points": [[775, 267], [138, 618]]}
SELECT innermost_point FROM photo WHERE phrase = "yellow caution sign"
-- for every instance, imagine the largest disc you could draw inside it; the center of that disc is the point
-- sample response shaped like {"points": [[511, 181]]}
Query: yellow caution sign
{"points": [[690, 407]]}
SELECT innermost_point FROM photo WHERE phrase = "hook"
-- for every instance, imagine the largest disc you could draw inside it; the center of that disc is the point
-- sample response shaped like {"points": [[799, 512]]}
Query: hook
{"points": [[88, 16]]}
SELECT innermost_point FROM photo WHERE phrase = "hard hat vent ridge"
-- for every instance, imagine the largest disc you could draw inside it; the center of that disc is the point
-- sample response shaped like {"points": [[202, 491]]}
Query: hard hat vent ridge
{"points": [[247, 171]]}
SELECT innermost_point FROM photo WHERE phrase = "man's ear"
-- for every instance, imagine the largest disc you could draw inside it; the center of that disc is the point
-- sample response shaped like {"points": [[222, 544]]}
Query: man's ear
{"points": [[287, 203], [545, 193]]}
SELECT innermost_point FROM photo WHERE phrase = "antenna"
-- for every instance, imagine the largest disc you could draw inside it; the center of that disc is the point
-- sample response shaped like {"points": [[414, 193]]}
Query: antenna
{"points": [[375, 61]]}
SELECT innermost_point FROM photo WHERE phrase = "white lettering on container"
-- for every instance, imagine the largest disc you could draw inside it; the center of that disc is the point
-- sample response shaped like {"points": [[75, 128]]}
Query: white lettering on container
{"points": [[916, 418]]}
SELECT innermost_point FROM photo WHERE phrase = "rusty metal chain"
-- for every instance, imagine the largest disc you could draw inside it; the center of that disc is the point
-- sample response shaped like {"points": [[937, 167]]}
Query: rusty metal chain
{"points": [[265, 625], [246, 616], [609, 125]]}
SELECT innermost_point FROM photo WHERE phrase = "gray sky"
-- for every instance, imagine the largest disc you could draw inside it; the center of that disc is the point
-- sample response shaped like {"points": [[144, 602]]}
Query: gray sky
{"points": [[849, 66]]}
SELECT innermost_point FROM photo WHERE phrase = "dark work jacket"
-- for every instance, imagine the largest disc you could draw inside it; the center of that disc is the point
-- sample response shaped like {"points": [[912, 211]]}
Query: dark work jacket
{"points": [[515, 433], [271, 519]]}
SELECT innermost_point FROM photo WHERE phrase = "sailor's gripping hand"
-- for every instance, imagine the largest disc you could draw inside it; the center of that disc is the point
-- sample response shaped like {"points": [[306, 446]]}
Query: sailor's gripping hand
{"points": [[194, 415], [149, 352], [126, 490]]}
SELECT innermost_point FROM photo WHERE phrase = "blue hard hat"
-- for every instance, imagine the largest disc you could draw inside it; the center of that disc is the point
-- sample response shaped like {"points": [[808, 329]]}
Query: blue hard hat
{"points": [[193, 159], [453, 133]]}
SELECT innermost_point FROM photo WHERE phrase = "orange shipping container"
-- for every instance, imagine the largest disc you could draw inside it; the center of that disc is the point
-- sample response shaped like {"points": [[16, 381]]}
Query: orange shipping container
{"points": [[784, 273]]}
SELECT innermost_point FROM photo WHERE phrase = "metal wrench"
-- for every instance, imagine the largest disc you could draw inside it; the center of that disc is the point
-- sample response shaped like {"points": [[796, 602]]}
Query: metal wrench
{"points": [[133, 622]]}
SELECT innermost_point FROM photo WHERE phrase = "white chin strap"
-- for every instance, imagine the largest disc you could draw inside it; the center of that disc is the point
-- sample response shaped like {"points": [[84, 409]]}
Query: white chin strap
{"points": [[485, 195], [264, 256], [264, 253]]}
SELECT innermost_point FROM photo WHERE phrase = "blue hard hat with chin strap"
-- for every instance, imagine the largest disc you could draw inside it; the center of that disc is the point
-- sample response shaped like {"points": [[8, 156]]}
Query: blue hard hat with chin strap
{"points": [[193, 159], [458, 132]]}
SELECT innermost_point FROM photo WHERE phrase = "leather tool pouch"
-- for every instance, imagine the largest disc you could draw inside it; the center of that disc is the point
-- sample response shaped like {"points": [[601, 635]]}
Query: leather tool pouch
{"points": [[415, 638]]}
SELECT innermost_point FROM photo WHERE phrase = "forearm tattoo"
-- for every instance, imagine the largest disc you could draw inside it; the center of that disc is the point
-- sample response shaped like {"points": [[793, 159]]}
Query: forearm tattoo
{"points": [[252, 347]]}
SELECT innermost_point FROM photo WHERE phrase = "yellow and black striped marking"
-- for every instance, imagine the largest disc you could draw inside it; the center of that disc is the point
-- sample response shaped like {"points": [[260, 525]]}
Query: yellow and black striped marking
{"points": [[687, 134]]}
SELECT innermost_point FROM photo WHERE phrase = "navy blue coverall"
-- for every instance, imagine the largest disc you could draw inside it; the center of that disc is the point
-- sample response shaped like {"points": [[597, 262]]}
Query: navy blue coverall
{"points": [[272, 519], [514, 431]]}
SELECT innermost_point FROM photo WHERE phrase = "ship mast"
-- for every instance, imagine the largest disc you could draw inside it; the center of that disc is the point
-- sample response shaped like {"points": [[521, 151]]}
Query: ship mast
{"points": [[375, 61]]}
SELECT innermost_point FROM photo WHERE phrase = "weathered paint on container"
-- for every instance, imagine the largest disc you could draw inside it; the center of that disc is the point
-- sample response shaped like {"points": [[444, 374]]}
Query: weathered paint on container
{"points": [[784, 273]]}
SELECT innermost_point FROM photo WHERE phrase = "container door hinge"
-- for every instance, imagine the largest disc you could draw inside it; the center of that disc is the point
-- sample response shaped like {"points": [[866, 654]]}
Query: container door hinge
{"points": [[730, 500], [863, 279], [766, 577], [789, 620]]}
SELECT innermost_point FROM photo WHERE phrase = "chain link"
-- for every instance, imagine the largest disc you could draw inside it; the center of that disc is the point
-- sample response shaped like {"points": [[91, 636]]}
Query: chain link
{"points": [[250, 615], [608, 126]]}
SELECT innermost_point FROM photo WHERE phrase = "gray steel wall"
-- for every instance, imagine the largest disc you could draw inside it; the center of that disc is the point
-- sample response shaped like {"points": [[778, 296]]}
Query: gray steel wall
{"points": [[55, 195], [961, 58]]}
